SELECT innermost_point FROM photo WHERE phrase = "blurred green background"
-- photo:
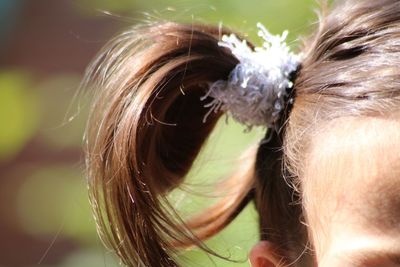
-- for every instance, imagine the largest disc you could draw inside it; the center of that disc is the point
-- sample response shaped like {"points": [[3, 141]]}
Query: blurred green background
{"points": [[45, 218]]}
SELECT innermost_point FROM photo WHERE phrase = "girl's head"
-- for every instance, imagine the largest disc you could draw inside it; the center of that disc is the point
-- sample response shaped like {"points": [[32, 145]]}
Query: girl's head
{"points": [[324, 186]]}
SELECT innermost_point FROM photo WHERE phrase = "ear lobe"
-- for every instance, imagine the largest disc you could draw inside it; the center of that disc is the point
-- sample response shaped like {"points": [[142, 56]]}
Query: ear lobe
{"points": [[265, 254]]}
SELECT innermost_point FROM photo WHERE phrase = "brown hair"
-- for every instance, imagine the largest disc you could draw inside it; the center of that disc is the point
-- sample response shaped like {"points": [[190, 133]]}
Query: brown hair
{"points": [[146, 127]]}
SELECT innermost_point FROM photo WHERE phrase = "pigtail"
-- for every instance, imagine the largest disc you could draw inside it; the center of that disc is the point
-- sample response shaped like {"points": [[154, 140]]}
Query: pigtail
{"points": [[145, 130], [277, 199]]}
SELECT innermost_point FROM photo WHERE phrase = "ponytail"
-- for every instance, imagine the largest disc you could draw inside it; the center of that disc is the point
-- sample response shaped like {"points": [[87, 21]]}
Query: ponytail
{"points": [[144, 132]]}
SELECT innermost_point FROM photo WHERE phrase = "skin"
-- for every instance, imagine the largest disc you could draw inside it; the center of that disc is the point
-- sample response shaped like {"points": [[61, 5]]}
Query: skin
{"points": [[351, 195]]}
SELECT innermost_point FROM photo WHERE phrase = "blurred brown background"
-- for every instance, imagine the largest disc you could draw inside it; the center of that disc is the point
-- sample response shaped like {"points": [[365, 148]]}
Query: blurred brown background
{"points": [[45, 46]]}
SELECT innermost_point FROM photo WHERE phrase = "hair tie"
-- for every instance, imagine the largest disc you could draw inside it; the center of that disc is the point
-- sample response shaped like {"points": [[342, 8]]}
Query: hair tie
{"points": [[258, 87]]}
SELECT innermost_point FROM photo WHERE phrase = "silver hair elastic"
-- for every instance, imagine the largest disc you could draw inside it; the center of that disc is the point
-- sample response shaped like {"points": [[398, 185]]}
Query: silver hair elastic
{"points": [[257, 87]]}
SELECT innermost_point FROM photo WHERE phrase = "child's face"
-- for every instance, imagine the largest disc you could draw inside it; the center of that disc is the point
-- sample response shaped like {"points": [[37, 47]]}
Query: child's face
{"points": [[351, 193]]}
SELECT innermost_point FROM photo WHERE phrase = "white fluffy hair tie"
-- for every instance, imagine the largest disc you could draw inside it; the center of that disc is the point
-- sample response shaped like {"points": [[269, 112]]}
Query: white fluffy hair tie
{"points": [[257, 87]]}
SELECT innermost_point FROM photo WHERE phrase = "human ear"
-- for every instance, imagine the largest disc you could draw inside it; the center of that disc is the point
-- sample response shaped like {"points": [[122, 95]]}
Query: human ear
{"points": [[265, 254]]}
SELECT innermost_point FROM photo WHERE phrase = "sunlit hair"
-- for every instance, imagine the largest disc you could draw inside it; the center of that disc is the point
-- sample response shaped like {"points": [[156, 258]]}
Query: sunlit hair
{"points": [[146, 127]]}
